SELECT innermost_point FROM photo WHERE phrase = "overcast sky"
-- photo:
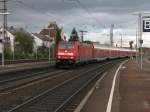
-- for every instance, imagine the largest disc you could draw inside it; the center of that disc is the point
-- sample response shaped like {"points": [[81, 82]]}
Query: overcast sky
{"points": [[95, 16]]}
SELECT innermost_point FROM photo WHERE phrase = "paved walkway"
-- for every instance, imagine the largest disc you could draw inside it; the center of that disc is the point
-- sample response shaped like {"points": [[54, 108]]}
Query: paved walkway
{"points": [[99, 99], [135, 88], [131, 94]]}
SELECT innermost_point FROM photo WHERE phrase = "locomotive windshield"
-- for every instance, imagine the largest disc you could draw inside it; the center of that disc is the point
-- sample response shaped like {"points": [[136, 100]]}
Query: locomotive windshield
{"points": [[66, 45]]}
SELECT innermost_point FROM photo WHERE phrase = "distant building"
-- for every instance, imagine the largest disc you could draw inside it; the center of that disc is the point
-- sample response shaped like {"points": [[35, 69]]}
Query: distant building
{"points": [[10, 38], [51, 31], [74, 35], [62, 34], [40, 40]]}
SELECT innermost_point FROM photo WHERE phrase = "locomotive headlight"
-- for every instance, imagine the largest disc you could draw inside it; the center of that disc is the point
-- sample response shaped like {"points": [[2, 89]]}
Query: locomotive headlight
{"points": [[61, 53], [72, 57], [59, 57], [70, 54]]}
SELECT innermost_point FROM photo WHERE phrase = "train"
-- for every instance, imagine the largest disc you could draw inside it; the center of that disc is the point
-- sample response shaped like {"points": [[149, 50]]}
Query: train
{"points": [[74, 53]]}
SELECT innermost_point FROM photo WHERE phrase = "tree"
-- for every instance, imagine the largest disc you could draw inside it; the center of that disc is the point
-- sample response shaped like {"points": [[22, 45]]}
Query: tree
{"points": [[74, 35], [58, 36], [7, 51], [88, 42], [42, 51], [54, 47], [23, 43]]}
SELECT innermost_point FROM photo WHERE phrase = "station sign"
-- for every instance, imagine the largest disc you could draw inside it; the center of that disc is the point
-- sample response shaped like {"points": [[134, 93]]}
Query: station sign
{"points": [[146, 24]]}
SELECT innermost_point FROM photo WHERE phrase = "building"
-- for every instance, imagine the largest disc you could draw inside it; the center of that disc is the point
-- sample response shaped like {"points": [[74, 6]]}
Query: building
{"points": [[10, 38], [62, 33], [40, 40], [51, 31]]}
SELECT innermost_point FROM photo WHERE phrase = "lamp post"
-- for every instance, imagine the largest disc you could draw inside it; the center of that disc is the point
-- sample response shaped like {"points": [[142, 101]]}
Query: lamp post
{"points": [[140, 41], [136, 44], [121, 40], [121, 35], [140, 36]]}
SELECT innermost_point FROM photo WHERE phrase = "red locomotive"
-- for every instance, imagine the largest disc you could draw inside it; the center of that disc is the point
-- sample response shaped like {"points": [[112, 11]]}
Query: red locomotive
{"points": [[74, 52]]}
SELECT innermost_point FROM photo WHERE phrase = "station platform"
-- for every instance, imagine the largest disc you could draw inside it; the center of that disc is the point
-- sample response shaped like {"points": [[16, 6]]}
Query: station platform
{"points": [[20, 66], [128, 92]]}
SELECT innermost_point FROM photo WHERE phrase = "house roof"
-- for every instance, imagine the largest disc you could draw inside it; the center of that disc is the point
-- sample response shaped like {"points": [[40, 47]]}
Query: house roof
{"points": [[42, 37], [50, 30], [13, 30]]}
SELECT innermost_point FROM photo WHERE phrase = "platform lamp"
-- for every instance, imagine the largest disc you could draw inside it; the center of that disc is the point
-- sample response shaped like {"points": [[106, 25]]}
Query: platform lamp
{"points": [[140, 15]]}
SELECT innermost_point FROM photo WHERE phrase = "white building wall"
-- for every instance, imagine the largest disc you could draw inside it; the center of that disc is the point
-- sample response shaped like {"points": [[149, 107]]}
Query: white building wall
{"points": [[12, 40], [37, 42], [62, 33], [11, 37], [48, 44]]}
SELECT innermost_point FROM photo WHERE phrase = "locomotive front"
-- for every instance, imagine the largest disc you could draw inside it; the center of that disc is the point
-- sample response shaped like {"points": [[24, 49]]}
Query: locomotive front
{"points": [[66, 53]]}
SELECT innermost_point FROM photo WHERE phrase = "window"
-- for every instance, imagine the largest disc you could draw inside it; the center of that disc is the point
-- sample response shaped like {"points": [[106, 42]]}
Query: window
{"points": [[66, 45]]}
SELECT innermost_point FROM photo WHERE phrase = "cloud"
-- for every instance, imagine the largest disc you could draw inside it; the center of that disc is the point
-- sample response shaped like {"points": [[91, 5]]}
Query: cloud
{"points": [[92, 15]]}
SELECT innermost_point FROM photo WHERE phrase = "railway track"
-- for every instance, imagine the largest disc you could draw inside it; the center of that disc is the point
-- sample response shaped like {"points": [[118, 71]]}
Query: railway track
{"points": [[17, 82], [33, 85], [23, 67], [8, 62], [8, 75], [26, 78], [59, 98]]}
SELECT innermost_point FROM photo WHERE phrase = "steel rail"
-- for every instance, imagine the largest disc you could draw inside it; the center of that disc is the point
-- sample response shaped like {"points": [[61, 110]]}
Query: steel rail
{"points": [[25, 105], [9, 62], [13, 84], [51, 81], [61, 108], [8, 75], [23, 77]]}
